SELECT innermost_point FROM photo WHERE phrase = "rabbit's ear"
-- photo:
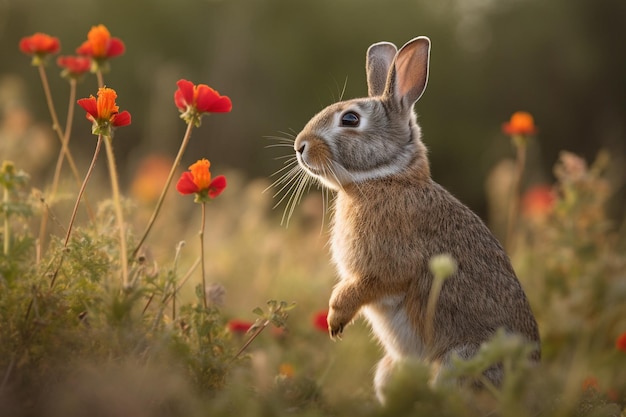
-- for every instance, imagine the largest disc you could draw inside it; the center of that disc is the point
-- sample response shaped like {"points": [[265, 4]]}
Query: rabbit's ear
{"points": [[409, 74], [378, 61]]}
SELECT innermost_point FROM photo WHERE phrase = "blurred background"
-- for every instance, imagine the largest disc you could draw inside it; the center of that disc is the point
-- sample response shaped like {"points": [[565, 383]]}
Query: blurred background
{"points": [[281, 61]]}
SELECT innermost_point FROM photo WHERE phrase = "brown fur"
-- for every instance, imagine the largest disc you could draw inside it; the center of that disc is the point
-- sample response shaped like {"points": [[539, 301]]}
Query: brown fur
{"points": [[391, 218]]}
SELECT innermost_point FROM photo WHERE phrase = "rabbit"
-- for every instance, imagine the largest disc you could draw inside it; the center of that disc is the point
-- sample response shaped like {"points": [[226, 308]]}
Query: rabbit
{"points": [[390, 218]]}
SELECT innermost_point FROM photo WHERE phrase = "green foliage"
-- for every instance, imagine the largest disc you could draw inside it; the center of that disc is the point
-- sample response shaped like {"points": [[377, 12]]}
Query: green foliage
{"points": [[65, 318]]}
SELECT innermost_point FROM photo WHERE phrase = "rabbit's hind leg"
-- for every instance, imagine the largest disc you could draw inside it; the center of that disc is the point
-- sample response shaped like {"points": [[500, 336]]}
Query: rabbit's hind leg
{"points": [[492, 375], [384, 371]]}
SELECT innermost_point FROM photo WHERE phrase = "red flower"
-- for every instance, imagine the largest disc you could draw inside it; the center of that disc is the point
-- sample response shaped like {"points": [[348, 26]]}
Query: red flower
{"points": [[239, 326], [103, 112], [39, 45], [74, 66], [198, 181], [521, 123], [538, 201], [320, 321], [194, 100], [620, 343], [100, 45]]}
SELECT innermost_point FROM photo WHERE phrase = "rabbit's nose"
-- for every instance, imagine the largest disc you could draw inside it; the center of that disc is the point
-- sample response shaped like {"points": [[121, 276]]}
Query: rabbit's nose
{"points": [[300, 150]]}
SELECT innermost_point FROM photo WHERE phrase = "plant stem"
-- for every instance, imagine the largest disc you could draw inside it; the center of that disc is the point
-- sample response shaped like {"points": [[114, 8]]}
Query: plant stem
{"points": [[433, 297], [75, 210], [66, 138], [252, 337], [60, 160], [180, 285], [118, 209], [520, 147], [203, 224], [82, 190], [57, 128], [5, 202], [100, 78], [175, 165]]}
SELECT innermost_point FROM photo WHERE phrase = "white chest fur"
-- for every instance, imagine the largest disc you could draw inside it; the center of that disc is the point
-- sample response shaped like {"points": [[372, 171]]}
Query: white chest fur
{"points": [[355, 255]]}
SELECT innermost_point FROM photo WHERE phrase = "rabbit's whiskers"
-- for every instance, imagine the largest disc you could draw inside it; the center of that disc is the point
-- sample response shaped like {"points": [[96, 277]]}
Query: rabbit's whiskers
{"points": [[292, 182]]}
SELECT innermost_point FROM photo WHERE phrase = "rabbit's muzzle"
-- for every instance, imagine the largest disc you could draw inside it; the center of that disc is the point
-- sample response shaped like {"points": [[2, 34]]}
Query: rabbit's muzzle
{"points": [[313, 155]]}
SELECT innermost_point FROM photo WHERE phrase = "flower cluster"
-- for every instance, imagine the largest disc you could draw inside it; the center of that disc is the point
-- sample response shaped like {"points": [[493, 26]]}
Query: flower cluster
{"points": [[93, 54]]}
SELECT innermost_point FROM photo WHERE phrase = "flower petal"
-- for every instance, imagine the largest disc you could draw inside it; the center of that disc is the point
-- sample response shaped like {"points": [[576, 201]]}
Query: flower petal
{"points": [[210, 101], [90, 106], [183, 97], [201, 174], [40, 43], [239, 326], [99, 37], [121, 119], [115, 48], [217, 186], [84, 49], [185, 184], [106, 103], [222, 105]]}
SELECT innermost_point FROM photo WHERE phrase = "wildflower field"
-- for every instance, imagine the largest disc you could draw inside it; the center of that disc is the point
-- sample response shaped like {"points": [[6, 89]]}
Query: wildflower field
{"points": [[186, 296]]}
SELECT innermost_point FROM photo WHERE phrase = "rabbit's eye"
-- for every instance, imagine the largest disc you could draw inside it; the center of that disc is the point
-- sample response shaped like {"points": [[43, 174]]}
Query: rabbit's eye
{"points": [[350, 119]]}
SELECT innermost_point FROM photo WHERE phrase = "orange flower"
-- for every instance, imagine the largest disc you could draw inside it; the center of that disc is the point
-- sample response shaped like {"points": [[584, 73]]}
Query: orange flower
{"points": [[620, 343], [521, 123], [103, 112], [198, 181], [39, 45], [100, 45], [591, 383], [150, 177], [286, 370]]}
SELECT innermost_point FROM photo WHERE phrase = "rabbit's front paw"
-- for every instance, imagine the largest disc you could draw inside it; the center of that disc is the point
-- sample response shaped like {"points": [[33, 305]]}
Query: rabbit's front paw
{"points": [[336, 323]]}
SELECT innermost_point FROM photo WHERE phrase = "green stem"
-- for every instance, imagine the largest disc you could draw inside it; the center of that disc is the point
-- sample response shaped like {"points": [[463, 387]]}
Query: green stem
{"points": [[60, 160], [5, 201], [433, 297], [202, 227], [57, 128], [175, 165], [82, 190], [118, 209], [66, 138], [75, 210]]}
